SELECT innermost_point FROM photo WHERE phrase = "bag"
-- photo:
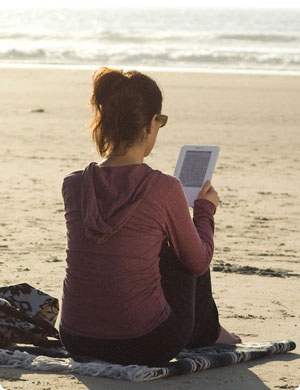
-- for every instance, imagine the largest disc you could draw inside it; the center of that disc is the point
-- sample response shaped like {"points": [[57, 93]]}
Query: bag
{"points": [[27, 316]]}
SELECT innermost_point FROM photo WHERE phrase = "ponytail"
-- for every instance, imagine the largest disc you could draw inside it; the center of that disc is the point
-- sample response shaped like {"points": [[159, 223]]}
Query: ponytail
{"points": [[123, 104]]}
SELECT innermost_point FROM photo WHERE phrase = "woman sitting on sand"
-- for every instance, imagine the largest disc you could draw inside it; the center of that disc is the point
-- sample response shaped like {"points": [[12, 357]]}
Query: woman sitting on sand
{"points": [[137, 288]]}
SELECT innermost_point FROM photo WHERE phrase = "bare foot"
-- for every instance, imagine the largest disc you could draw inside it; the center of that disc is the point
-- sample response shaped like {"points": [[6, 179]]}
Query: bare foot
{"points": [[227, 338]]}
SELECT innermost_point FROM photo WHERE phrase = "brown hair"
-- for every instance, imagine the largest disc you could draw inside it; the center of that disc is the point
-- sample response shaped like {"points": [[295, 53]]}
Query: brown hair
{"points": [[123, 103]]}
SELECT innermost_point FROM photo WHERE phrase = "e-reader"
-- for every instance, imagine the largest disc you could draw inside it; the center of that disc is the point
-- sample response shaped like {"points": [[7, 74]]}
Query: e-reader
{"points": [[195, 165]]}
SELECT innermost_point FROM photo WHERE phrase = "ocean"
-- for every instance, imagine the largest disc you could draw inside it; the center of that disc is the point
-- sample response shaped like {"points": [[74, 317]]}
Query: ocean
{"points": [[216, 40]]}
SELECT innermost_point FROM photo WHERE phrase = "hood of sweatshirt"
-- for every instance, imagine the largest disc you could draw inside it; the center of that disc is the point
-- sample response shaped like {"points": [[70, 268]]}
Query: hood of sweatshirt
{"points": [[110, 196]]}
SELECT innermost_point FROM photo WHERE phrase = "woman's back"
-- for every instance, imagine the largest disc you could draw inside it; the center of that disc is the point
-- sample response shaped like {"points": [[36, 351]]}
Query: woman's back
{"points": [[116, 221]]}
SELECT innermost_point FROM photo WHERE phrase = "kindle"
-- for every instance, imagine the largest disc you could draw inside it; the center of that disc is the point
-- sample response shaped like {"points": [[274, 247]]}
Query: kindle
{"points": [[195, 165]]}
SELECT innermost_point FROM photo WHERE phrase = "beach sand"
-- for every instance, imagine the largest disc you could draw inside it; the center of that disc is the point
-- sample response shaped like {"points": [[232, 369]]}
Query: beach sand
{"points": [[255, 119]]}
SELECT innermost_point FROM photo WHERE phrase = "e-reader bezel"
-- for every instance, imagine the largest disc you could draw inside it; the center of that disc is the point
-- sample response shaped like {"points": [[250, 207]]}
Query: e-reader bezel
{"points": [[191, 193]]}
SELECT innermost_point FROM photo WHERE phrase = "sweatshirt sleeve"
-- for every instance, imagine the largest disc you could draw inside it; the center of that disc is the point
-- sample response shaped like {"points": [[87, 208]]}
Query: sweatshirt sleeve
{"points": [[192, 240]]}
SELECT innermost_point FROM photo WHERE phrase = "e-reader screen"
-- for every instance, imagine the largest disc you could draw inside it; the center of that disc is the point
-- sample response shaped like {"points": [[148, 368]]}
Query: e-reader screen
{"points": [[194, 168]]}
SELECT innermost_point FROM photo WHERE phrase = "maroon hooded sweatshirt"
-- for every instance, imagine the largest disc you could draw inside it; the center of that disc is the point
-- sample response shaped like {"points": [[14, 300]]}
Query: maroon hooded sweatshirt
{"points": [[117, 218]]}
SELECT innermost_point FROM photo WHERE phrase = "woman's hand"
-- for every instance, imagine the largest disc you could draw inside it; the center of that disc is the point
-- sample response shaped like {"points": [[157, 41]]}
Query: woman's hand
{"points": [[209, 193]]}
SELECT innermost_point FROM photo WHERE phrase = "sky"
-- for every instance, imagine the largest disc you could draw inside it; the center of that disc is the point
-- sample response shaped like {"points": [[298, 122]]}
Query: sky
{"points": [[157, 3]]}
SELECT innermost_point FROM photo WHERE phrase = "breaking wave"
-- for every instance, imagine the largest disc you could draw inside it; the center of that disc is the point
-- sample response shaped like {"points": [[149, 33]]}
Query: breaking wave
{"points": [[184, 38]]}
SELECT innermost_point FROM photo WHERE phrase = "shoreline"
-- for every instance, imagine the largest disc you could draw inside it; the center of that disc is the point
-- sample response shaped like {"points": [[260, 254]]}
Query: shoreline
{"points": [[167, 69]]}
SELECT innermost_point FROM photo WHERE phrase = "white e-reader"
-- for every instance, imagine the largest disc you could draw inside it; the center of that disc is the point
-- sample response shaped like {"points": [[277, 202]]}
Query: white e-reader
{"points": [[195, 165]]}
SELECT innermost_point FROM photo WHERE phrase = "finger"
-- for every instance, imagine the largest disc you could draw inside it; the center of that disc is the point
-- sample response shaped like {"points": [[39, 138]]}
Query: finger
{"points": [[206, 187], [211, 190]]}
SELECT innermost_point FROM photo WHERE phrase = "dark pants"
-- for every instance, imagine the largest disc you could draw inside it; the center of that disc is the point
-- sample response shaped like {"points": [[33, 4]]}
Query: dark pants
{"points": [[193, 322]]}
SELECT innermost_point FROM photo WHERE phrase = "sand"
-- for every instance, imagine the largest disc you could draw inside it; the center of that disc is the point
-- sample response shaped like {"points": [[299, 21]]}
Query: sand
{"points": [[255, 119]]}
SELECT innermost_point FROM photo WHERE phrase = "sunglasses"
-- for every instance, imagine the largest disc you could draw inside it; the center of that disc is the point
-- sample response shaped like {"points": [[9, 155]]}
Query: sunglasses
{"points": [[162, 118]]}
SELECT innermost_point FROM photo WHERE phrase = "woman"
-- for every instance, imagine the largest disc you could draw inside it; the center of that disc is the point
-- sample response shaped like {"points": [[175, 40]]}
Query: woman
{"points": [[137, 288]]}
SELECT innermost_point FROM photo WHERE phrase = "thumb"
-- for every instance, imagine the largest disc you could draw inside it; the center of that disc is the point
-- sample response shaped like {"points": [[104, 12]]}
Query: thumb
{"points": [[206, 187]]}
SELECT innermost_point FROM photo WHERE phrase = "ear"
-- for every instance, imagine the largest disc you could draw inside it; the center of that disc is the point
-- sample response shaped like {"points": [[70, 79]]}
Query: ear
{"points": [[151, 125]]}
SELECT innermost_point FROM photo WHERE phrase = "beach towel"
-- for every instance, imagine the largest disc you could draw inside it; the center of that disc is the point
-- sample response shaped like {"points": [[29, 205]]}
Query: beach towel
{"points": [[27, 316], [188, 361]]}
